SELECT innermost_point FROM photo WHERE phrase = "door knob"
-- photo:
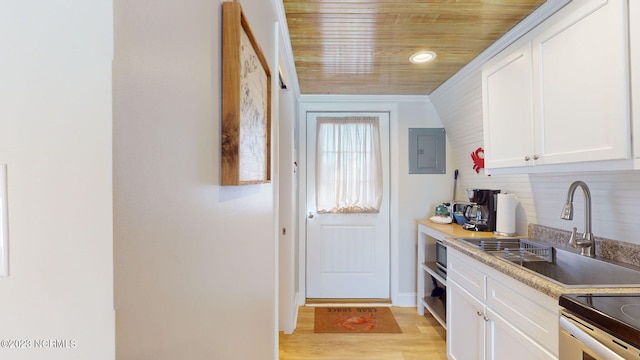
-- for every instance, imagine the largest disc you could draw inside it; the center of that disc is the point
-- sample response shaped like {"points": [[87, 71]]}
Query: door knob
{"points": [[310, 215]]}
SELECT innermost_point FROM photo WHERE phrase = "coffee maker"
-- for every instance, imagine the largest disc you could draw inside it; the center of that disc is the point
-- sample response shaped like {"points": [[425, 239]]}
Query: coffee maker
{"points": [[482, 215]]}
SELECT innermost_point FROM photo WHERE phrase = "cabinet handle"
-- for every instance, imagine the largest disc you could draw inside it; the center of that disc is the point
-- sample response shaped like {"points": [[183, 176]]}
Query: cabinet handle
{"points": [[485, 318], [479, 313], [527, 158], [536, 157], [310, 215]]}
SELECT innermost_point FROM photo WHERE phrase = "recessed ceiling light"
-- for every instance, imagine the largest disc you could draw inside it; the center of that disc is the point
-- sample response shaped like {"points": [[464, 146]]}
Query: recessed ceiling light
{"points": [[422, 57]]}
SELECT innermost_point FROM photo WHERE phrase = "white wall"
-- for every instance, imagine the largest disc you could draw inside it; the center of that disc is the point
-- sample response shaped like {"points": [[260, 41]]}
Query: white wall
{"points": [[55, 137], [288, 245], [413, 196], [418, 194], [195, 262]]}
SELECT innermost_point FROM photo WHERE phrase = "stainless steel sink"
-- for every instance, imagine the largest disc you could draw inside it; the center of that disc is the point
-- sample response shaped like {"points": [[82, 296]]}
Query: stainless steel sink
{"points": [[563, 267], [514, 249]]}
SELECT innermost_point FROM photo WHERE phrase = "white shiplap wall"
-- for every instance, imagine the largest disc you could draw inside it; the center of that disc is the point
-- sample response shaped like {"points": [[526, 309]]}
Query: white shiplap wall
{"points": [[615, 195], [615, 200]]}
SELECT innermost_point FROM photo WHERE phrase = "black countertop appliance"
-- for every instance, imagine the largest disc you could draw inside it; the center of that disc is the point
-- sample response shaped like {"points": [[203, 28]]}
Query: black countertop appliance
{"points": [[600, 326], [482, 215]]}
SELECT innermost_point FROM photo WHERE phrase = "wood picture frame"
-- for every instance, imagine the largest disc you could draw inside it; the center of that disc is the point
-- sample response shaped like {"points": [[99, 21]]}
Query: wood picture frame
{"points": [[246, 103]]}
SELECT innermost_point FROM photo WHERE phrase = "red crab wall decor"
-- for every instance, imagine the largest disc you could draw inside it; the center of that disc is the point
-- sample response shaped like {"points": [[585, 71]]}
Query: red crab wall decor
{"points": [[478, 159]]}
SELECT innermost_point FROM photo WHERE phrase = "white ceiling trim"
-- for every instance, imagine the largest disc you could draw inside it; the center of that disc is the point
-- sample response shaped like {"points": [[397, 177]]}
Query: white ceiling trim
{"points": [[364, 98], [285, 50]]}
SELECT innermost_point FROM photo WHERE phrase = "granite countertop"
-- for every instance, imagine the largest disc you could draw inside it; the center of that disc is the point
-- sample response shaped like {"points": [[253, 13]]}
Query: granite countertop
{"points": [[530, 278], [456, 231], [452, 232]]}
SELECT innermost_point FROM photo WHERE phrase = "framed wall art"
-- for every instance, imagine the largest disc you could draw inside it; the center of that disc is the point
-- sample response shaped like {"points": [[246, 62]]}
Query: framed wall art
{"points": [[246, 103]]}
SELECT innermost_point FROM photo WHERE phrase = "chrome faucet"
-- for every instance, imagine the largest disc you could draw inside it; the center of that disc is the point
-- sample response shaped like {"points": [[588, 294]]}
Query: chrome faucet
{"points": [[585, 243]]}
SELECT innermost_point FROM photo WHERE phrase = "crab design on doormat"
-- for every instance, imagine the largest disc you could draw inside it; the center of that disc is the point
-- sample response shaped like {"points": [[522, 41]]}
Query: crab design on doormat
{"points": [[367, 322]]}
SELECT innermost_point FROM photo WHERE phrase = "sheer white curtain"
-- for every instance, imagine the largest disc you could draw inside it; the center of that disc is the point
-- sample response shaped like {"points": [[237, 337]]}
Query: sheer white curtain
{"points": [[348, 165]]}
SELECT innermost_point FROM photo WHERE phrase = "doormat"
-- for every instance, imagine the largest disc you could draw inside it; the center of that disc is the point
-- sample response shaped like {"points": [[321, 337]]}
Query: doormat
{"points": [[355, 319]]}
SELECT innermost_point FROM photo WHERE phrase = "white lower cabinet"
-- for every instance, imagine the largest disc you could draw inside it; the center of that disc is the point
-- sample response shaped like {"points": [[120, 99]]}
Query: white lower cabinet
{"points": [[492, 316], [506, 342], [466, 327]]}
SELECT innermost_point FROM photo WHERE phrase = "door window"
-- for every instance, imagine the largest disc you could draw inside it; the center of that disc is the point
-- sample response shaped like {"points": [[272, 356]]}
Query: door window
{"points": [[348, 165]]}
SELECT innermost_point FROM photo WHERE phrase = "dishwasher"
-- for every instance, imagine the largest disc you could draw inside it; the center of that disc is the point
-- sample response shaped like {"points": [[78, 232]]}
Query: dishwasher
{"points": [[599, 326]]}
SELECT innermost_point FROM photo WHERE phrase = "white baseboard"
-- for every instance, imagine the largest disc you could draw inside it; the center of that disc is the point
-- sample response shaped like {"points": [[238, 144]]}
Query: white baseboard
{"points": [[405, 300], [290, 320], [295, 315]]}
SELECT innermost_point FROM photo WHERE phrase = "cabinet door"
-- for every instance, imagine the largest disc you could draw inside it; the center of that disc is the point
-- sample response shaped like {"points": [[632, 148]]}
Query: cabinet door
{"points": [[505, 342], [581, 104], [507, 110], [527, 309], [465, 324]]}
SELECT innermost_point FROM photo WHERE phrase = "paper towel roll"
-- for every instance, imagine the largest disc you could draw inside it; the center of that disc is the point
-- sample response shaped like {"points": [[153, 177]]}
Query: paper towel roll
{"points": [[506, 214]]}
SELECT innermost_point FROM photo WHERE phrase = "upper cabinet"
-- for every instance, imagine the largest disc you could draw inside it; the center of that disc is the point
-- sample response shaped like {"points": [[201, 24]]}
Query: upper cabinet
{"points": [[560, 95], [582, 99], [508, 109]]}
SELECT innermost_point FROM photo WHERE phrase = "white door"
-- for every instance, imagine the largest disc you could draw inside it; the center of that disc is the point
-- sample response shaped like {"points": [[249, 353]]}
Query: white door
{"points": [[347, 255]]}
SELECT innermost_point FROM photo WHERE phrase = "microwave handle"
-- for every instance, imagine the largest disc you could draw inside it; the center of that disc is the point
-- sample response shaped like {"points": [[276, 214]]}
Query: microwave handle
{"points": [[586, 339]]}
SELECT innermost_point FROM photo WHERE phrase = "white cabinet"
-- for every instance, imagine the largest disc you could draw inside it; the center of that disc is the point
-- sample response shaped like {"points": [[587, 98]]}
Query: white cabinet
{"points": [[429, 234], [492, 316], [581, 71], [531, 311], [507, 342], [465, 335], [560, 95]]}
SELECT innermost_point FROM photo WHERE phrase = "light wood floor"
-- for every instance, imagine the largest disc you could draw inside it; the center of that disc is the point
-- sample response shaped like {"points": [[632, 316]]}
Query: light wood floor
{"points": [[422, 338]]}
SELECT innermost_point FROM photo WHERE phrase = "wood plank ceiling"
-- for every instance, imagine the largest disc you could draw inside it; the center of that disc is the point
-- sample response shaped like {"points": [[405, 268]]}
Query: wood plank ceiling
{"points": [[363, 46]]}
